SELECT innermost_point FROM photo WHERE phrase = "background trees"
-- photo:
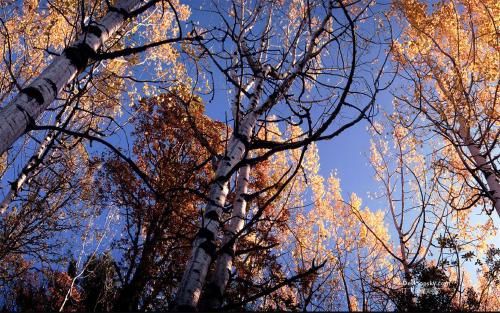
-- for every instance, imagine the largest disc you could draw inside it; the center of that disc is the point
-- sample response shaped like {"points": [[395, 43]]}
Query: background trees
{"points": [[450, 60], [434, 228]]}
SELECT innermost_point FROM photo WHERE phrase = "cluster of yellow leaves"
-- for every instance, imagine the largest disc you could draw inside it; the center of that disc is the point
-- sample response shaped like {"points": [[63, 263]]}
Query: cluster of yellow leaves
{"points": [[453, 47], [25, 32], [160, 62], [327, 228]]}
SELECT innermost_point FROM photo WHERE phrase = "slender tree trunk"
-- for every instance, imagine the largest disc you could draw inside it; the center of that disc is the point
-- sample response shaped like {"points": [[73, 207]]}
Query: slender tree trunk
{"points": [[220, 278], [130, 295], [27, 170], [25, 108], [204, 246], [346, 290], [409, 296], [480, 162], [409, 301]]}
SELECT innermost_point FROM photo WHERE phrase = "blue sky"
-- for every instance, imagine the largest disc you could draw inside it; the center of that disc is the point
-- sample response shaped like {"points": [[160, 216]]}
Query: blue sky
{"points": [[347, 154]]}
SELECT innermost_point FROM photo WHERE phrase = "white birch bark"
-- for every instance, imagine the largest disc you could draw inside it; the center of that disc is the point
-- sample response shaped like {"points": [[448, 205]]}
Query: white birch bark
{"points": [[26, 172], [204, 246], [483, 166], [25, 108], [224, 261]]}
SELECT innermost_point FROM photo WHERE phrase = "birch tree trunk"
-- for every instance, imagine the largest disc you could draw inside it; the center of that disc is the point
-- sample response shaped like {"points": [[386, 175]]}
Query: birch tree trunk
{"points": [[204, 247], [27, 170], [245, 63], [25, 108], [480, 162], [215, 291]]}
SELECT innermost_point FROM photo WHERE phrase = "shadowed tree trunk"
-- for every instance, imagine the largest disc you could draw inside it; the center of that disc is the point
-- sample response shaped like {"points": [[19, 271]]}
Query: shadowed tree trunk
{"points": [[130, 294], [215, 290], [204, 247]]}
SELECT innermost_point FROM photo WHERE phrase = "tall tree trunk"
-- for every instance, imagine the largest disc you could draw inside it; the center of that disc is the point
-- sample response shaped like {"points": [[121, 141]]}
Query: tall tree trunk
{"points": [[36, 159], [220, 278], [204, 246], [25, 108], [408, 294], [27, 170], [480, 162]]}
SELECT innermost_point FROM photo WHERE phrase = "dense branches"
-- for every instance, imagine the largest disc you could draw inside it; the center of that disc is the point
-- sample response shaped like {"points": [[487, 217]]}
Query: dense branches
{"points": [[169, 155]]}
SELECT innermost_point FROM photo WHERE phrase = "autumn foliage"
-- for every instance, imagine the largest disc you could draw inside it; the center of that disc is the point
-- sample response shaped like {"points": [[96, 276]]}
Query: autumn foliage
{"points": [[181, 164]]}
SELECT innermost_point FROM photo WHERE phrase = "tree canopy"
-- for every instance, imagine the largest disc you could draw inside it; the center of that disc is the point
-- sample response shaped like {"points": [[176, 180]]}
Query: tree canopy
{"points": [[166, 155]]}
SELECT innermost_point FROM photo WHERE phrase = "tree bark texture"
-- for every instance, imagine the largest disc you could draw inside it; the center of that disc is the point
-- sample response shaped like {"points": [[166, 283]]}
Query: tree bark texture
{"points": [[27, 171], [220, 278], [204, 247], [480, 162], [26, 107]]}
